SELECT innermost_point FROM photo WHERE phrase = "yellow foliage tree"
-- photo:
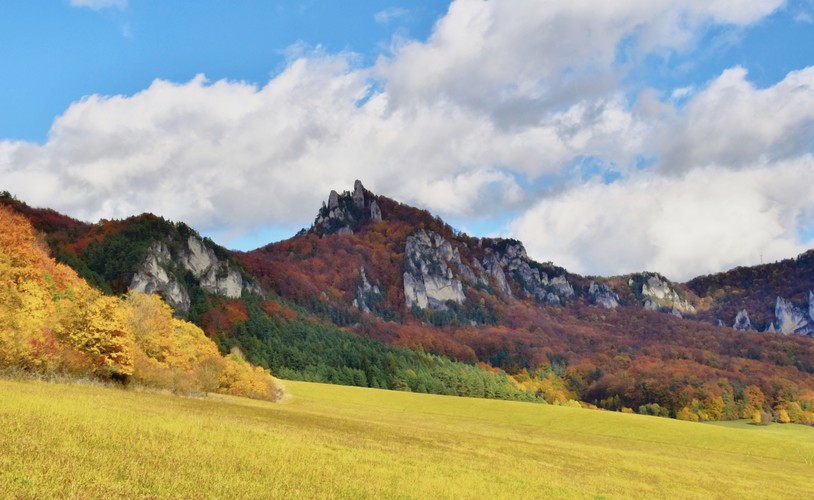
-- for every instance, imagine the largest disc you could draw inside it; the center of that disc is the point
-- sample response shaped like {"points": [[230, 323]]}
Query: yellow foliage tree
{"points": [[95, 325], [783, 416]]}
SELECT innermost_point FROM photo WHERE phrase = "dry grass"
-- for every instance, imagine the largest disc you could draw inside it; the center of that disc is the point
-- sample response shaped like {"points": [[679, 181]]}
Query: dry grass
{"points": [[62, 440]]}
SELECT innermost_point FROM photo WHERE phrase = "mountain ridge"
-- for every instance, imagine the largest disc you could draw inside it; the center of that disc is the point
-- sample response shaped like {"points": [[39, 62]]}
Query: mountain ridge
{"points": [[400, 276]]}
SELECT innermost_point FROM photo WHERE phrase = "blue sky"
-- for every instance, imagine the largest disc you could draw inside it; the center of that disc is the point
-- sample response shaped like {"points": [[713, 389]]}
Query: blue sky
{"points": [[53, 54], [610, 138]]}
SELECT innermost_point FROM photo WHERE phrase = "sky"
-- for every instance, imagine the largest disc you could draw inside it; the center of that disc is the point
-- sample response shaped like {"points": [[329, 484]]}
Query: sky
{"points": [[609, 137]]}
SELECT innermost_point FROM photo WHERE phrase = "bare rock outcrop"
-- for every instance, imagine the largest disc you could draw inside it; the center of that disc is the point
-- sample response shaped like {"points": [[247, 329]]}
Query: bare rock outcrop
{"points": [[345, 212], [742, 321], [658, 294], [368, 295], [788, 318], [153, 277], [159, 272], [601, 295], [429, 281]]}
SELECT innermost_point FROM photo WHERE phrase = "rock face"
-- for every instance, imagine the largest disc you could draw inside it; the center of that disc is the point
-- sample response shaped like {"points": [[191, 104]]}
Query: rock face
{"points": [[602, 295], [345, 212], [428, 278], [158, 273], [375, 211], [153, 277], [792, 319], [657, 294], [217, 277], [742, 321], [367, 294], [507, 260]]}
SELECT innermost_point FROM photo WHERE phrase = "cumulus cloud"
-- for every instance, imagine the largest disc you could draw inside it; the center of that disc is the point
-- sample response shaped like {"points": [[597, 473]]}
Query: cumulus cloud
{"points": [[538, 56], [99, 4], [706, 220], [502, 96], [733, 123], [229, 153]]}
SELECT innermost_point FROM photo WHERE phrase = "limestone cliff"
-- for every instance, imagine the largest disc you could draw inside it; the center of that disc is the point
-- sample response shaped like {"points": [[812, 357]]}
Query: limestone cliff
{"points": [[166, 262], [429, 281]]}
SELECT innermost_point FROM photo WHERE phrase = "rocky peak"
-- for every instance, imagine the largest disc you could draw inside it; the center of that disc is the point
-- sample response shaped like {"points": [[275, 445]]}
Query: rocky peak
{"points": [[358, 194], [345, 212]]}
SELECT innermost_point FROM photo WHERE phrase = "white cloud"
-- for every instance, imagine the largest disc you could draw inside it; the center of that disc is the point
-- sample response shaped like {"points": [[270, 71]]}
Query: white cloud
{"points": [[533, 56], [733, 123], [99, 4], [707, 220], [501, 91]]}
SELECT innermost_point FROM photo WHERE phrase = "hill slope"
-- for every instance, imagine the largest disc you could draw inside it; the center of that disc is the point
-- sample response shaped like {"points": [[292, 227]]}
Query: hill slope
{"points": [[330, 441], [53, 322], [372, 268]]}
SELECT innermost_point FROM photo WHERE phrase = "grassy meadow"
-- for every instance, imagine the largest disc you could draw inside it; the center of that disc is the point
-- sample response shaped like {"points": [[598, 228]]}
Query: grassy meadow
{"points": [[327, 441]]}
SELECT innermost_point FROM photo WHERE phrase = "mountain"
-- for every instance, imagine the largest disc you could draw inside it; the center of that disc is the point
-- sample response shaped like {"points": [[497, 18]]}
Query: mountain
{"points": [[374, 276]]}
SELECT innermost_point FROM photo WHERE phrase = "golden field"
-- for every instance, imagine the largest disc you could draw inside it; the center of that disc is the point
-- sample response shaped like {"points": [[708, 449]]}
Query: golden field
{"points": [[327, 441]]}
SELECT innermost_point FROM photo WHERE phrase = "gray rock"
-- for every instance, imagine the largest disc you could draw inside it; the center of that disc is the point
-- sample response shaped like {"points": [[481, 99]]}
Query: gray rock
{"points": [[602, 295], [742, 321], [791, 319], [358, 194], [492, 265], [214, 276], [333, 200], [428, 279], [366, 292], [375, 211], [562, 286], [152, 277], [657, 293]]}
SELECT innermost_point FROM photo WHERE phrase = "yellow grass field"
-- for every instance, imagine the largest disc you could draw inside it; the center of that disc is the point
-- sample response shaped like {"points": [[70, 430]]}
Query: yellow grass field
{"points": [[326, 441]]}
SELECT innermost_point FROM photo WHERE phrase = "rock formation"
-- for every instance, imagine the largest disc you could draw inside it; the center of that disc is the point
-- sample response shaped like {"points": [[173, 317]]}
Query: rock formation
{"points": [[429, 281], [367, 294], [742, 321], [345, 212], [792, 319], [152, 277], [159, 272], [602, 295], [657, 293]]}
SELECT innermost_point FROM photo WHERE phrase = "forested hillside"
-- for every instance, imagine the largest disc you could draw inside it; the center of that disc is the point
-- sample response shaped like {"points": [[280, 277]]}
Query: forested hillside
{"points": [[53, 322], [380, 294]]}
